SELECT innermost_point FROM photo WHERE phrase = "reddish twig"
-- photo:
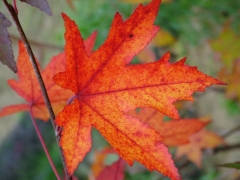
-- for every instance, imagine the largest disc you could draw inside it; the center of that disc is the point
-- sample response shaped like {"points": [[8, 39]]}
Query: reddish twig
{"points": [[14, 16], [43, 144], [15, 6]]}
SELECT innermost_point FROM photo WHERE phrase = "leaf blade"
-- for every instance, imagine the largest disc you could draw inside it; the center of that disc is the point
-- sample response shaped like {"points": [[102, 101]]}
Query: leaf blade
{"points": [[106, 87], [114, 171], [6, 52], [40, 4]]}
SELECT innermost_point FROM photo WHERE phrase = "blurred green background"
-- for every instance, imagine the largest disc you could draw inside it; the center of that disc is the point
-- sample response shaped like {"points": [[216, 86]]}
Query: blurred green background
{"points": [[192, 28]]}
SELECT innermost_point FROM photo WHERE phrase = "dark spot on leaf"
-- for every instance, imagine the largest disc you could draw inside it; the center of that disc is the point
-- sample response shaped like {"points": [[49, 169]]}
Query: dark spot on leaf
{"points": [[130, 35]]}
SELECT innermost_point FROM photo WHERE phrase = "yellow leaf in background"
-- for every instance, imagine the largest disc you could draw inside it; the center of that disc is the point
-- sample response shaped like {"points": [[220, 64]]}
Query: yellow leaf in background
{"points": [[198, 141], [70, 4], [163, 38], [147, 55], [99, 163], [143, 1], [233, 80], [227, 45]]}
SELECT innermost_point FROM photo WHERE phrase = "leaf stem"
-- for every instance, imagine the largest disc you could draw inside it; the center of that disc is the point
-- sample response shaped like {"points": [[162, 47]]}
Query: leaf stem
{"points": [[43, 144], [14, 16]]}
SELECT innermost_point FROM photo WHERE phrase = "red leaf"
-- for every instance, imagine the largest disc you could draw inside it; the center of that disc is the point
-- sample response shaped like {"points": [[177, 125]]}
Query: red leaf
{"points": [[113, 172], [6, 53], [106, 86]]}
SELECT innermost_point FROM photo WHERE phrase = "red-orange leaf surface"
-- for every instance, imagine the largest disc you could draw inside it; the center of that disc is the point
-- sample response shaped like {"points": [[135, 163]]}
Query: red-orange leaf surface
{"points": [[27, 86], [174, 132], [107, 86]]}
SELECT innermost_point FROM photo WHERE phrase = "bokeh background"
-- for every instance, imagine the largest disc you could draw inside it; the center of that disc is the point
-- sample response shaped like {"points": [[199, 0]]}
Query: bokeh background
{"points": [[206, 32]]}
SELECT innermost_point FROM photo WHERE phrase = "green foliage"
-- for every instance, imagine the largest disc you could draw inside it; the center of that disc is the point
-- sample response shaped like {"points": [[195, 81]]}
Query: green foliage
{"points": [[233, 107], [193, 20]]}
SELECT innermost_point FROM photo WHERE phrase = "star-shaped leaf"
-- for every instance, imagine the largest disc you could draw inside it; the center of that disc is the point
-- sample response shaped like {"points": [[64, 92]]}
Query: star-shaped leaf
{"points": [[106, 86]]}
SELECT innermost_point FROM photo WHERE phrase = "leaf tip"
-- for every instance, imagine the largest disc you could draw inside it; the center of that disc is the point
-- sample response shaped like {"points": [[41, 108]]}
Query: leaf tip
{"points": [[182, 61], [64, 16], [165, 58]]}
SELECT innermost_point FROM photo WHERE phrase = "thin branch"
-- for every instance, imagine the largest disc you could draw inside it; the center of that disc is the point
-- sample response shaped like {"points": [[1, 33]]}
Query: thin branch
{"points": [[14, 16], [230, 132], [32, 59], [226, 148], [36, 43], [186, 162], [43, 145]]}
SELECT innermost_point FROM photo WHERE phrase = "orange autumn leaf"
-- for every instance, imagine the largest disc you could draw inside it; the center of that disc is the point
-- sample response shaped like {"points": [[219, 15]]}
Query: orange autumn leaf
{"points": [[174, 132], [199, 141], [106, 87], [27, 86]]}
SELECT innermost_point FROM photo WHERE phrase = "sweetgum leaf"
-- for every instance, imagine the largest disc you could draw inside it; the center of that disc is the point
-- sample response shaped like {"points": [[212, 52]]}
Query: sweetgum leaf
{"points": [[107, 86], [6, 53], [40, 4]]}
